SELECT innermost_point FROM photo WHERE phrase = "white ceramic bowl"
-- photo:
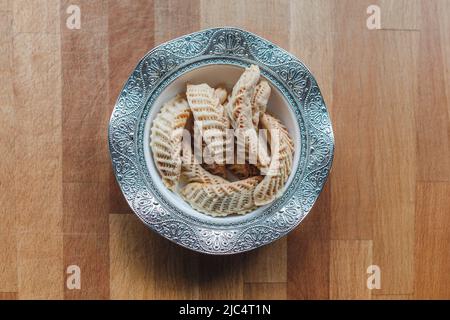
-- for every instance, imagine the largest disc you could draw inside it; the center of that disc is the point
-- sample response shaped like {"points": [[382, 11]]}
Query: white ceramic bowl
{"points": [[215, 75]]}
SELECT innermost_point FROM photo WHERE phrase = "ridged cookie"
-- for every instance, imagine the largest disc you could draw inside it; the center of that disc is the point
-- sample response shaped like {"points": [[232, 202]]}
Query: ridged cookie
{"points": [[222, 199], [166, 139], [281, 161]]}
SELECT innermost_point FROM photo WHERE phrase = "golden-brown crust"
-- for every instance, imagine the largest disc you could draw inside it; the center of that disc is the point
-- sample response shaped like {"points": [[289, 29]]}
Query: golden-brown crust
{"points": [[281, 162], [166, 139], [222, 199]]}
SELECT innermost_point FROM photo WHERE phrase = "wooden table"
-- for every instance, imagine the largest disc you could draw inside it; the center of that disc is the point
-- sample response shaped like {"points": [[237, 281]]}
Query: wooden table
{"points": [[386, 203]]}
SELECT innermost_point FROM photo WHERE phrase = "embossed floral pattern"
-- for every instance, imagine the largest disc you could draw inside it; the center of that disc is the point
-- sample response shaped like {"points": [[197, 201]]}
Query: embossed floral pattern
{"points": [[319, 151], [229, 43], [267, 52], [156, 67], [256, 236], [286, 216], [218, 240], [147, 206], [123, 134], [126, 175], [131, 97], [179, 232], [311, 186], [295, 77]]}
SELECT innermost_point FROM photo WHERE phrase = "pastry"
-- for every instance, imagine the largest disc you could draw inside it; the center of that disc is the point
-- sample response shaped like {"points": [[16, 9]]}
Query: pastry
{"points": [[166, 139]]}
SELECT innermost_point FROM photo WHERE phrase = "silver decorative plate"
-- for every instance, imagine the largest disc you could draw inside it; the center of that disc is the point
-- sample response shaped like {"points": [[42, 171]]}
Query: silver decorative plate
{"points": [[220, 46]]}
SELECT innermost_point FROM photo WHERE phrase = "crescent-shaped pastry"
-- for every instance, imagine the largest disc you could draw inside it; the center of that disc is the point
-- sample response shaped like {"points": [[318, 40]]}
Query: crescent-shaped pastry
{"points": [[281, 162], [166, 139], [259, 101], [222, 199], [214, 168], [208, 115], [239, 105], [239, 110]]}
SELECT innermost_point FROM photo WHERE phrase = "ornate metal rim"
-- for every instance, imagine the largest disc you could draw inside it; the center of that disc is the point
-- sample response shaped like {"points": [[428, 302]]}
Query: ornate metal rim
{"points": [[160, 67]]}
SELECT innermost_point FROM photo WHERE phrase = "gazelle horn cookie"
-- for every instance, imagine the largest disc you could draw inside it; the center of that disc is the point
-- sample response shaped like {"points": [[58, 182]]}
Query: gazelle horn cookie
{"points": [[214, 168], [220, 200], [259, 101], [239, 106], [281, 162], [208, 116], [166, 139], [240, 112]]}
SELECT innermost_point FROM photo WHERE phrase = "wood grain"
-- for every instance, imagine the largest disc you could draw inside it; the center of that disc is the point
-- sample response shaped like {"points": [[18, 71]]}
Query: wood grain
{"points": [[399, 15], [90, 253], [318, 30], [308, 269], [8, 267], [131, 259], [85, 75], [386, 201], [5, 5], [267, 264], [392, 297], [432, 111], [265, 291], [8, 295], [38, 142], [8, 241], [353, 116], [7, 117], [176, 270], [85, 158], [432, 260], [251, 16], [394, 175], [349, 260], [443, 7], [227, 279], [35, 16], [175, 18], [40, 266]]}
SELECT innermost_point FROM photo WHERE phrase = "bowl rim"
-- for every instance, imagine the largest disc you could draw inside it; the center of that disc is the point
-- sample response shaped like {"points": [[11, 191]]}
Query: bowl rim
{"points": [[231, 46]]}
